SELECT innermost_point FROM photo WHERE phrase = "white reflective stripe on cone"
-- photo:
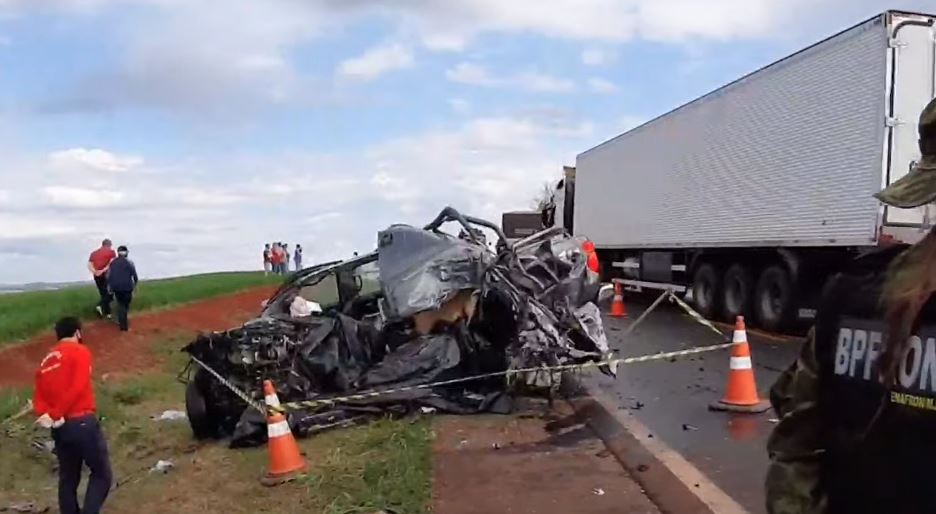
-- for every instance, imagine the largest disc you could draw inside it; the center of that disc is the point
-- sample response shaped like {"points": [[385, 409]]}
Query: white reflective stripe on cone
{"points": [[740, 336], [278, 429], [272, 400], [740, 363]]}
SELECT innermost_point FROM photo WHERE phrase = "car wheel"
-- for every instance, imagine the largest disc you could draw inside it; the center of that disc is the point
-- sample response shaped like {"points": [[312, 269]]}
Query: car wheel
{"points": [[706, 290], [203, 427], [737, 292], [775, 298]]}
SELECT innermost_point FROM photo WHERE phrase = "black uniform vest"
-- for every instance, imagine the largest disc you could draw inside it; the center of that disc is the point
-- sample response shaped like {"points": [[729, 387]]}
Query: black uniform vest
{"points": [[880, 442]]}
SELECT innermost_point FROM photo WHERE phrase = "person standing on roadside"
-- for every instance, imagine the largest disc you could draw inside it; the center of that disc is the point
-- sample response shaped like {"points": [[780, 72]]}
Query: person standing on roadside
{"points": [[287, 258], [123, 280], [267, 260], [63, 398], [298, 257], [98, 263], [276, 256]]}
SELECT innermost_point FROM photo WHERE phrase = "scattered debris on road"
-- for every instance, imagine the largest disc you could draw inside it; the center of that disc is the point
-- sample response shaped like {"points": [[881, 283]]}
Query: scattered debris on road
{"points": [[162, 466], [598, 491], [688, 427], [170, 415], [426, 306], [26, 508]]}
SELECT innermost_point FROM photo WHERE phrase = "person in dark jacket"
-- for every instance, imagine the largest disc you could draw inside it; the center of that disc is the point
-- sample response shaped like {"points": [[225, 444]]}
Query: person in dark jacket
{"points": [[858, 408], [122, 279]]}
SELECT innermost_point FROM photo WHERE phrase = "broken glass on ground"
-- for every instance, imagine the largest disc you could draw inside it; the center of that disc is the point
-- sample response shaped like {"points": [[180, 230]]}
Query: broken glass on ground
{"points": [[425, 307]]}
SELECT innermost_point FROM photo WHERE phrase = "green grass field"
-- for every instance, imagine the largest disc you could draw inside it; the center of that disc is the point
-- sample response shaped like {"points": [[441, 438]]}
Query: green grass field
{"points": [[24, 314], [361, 470]]}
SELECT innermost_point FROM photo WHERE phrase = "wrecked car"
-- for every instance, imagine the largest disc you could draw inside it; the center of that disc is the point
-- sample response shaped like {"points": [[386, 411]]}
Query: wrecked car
{"points": [[425, 307]]}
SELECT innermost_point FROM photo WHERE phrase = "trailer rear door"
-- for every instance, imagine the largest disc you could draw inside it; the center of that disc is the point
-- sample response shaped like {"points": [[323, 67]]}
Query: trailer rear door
{"points": [[914, 85]]}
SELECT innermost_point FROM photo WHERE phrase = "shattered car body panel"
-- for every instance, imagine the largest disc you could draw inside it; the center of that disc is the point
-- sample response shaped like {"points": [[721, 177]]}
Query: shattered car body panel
{"points": [[425, 307]]}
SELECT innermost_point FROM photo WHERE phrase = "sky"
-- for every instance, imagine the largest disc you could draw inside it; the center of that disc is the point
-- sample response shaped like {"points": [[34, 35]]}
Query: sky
{"points": [[195, 131]]}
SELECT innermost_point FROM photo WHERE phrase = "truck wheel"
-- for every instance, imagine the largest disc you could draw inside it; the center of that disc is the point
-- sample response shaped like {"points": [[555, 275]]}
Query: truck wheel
{"points": [[737, 292], [706, 290], [775, 298], [203, 427]]}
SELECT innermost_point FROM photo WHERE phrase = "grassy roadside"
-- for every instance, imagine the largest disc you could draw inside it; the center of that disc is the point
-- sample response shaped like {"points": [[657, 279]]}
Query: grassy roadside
{"points": [[24, 314], [384, 465]]}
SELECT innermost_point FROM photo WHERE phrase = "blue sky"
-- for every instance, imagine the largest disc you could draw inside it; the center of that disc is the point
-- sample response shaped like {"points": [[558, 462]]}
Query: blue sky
{"points": [[195, 131]]}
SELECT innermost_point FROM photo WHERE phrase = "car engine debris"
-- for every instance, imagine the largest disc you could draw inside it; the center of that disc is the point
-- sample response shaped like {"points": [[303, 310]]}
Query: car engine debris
{"points": [[426, 306]]}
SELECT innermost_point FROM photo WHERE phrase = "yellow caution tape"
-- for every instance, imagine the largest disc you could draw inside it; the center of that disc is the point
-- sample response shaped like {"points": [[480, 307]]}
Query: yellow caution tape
{"points": [[356, 397]]}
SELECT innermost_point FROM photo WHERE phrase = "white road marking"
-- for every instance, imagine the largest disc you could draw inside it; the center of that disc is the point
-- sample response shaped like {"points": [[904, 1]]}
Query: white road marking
{"points": [[710, 494]]}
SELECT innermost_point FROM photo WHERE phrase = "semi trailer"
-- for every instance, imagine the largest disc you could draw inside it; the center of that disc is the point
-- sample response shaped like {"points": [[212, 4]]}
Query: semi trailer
{"points": [[752, 196]]}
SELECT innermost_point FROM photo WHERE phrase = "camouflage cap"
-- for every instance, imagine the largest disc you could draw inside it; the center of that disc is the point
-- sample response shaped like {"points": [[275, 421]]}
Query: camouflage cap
{"points": [[918, 187]]}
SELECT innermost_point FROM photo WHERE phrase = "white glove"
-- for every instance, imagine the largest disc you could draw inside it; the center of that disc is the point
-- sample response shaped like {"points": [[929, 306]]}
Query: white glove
{"points": [[59, 422], [45, 421]]}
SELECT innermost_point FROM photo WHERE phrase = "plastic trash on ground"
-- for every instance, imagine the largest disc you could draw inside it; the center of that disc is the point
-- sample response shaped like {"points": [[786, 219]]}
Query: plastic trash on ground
{"points": [[170, 415]]}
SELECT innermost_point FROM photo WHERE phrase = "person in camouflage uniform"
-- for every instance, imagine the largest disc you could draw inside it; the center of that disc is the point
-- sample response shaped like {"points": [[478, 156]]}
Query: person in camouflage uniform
{"points": [[857, 430]]}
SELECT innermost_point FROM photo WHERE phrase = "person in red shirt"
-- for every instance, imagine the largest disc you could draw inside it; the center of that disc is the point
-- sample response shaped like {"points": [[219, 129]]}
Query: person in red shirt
{"points": [[63, 399], [278, 258], [98, 264]]}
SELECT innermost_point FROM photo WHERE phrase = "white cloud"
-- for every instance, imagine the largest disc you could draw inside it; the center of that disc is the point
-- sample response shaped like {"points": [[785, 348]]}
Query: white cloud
{"points": [[18, 226], [599, 20], [444, 42], [377, 61], [595, 57], [484, 167], [470, 73], [201, 59], [203, 197], [481, 166], [93, 159], [459, 105], [600, 85], [543, 83], [82, 198], [322, 217], [477, 75]]}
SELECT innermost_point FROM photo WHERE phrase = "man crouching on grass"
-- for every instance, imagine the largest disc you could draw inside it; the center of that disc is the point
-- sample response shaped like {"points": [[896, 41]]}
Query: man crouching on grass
{"points": [[64, 400]]}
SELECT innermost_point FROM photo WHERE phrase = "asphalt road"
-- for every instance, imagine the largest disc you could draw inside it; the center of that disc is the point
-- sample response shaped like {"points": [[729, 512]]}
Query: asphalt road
{"points": [[671, 398]]}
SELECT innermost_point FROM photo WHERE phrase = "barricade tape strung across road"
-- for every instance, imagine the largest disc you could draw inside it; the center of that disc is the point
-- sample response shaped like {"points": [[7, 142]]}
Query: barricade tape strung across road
{"points": [[695, 315], [612, 363]]}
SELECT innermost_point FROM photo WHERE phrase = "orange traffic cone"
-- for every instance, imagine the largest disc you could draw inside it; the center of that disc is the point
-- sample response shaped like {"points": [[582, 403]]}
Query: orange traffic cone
{"points": [[285, 460], [741, 393], [617, 305]]}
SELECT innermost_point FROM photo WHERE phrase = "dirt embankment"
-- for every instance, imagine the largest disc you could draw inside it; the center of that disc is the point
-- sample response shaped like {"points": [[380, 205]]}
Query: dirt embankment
{"points": [[116, 352]]}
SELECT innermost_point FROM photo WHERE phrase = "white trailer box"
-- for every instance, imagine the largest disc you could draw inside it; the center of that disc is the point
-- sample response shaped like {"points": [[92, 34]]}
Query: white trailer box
{"points": [[753, 195], [787, 156]]}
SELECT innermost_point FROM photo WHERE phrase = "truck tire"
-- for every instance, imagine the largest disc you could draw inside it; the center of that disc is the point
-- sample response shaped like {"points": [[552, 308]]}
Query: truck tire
{"points": [[775, 299], [706, 290], [203, 427], [737, 292]]}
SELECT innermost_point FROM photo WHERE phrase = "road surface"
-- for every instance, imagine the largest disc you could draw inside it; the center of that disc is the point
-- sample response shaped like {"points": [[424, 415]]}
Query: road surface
{"points": [[671, 398]]}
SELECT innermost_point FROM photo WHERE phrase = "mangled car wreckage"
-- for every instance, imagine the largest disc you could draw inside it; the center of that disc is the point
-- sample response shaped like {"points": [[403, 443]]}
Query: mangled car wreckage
{"points": [[424, 307]]}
